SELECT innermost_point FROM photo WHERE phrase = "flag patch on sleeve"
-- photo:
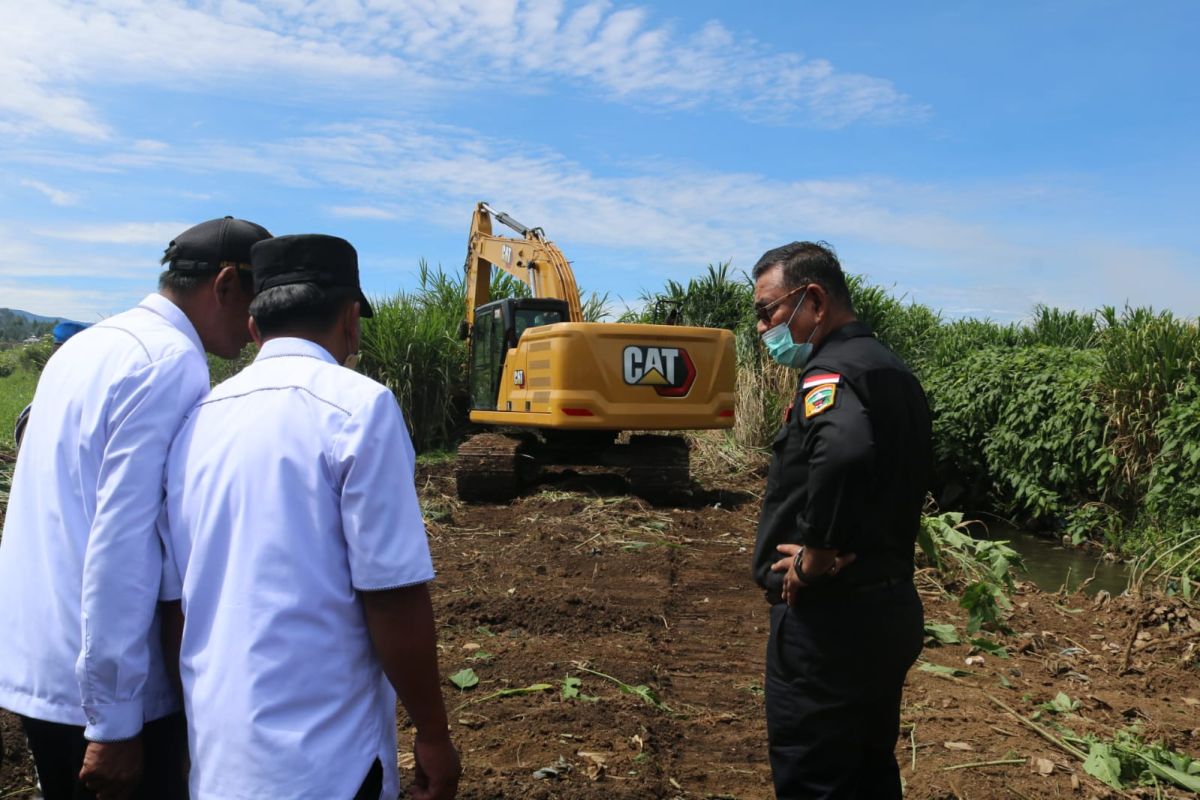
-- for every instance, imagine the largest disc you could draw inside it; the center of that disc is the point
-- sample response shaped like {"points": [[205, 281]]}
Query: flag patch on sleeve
{"points": [[819, 399], [820, 380]]}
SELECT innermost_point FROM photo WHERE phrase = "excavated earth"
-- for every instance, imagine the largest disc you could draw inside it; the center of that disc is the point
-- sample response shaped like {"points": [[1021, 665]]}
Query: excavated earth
{"points": [[580, 576]]}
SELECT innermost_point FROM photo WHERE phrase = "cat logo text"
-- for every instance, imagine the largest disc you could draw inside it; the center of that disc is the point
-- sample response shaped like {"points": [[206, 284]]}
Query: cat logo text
{"points": [[668, 369]]}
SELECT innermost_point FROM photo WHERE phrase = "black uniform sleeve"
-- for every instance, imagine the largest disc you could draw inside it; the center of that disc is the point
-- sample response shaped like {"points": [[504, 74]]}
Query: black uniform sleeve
{"points": [[841, 453]]}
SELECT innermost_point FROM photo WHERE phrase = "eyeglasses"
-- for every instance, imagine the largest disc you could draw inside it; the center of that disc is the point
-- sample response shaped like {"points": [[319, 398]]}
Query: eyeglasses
{"points": [[763, 311]]}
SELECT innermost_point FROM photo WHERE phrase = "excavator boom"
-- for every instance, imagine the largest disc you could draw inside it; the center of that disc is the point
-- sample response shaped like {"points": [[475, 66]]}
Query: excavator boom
{"points": [[533, 260]]}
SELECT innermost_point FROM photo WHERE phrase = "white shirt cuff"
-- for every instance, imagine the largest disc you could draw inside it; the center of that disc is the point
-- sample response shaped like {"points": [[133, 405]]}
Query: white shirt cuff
{"points": [[113, 722]]}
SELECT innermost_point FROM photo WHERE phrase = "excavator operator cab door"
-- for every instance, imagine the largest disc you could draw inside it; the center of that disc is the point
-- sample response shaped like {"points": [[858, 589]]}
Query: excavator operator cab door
{"points": [[498, 327]]}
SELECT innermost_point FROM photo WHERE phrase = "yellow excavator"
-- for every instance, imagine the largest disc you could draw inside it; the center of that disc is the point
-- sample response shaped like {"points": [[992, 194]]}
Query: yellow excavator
{"points": [[554, 390]]}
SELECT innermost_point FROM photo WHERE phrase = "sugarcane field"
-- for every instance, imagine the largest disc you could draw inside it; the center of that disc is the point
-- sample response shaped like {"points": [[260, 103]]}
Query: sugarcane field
{"points": [[599, 400]]}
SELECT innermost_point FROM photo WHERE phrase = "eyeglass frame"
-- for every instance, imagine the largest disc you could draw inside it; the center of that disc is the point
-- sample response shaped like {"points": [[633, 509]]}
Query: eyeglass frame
{"points": [[763, 312]]}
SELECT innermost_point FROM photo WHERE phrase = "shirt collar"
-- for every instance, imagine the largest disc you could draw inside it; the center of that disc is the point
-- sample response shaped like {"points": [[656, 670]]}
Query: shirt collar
{"points": [[160, 305], [292, 346], [851, 330]]}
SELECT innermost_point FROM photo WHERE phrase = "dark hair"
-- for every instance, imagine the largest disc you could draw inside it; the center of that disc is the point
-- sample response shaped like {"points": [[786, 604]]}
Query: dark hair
{"points": [[808, 262], [299, 307], [183, 283]]}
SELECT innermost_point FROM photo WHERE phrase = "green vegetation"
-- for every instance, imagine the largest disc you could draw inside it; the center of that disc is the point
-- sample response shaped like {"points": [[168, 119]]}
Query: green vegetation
{"points": [[16, 392], [982, 569], [17, 326], [1082, 424]]}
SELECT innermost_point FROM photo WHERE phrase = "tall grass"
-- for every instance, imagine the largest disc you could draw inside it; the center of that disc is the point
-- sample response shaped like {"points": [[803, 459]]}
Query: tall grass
{"points": [[411, 346], [16, 392], [1148, 358], [1088, 422]]}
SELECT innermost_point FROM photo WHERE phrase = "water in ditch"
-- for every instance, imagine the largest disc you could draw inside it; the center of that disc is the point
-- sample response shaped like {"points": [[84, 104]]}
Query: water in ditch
{"points": [[1050, 565]]}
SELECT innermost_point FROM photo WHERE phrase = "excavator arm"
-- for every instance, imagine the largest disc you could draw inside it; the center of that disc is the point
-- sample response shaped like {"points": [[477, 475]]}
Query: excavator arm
{"points": [[531, 259]]}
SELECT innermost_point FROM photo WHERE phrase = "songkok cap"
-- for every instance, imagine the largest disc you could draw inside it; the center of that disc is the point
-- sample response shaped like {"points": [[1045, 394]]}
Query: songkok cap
{"points": [[210, 245], [315, 258]]}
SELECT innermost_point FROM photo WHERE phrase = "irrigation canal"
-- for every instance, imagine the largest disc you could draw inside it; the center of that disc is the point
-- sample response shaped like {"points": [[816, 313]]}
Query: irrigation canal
{"points": [[1050, 565]]}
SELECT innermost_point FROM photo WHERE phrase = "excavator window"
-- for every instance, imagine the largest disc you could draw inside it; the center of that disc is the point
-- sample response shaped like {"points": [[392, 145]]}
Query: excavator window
{"points": [[487, 357], [535, 317], [497, 329]]}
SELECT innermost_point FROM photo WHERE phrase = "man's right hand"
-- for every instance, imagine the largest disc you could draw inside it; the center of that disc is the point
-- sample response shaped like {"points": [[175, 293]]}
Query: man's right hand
{"points": [[112, 770], [437, 769]]}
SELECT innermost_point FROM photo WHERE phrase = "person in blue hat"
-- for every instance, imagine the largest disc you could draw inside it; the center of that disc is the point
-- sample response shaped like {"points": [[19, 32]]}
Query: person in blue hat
{"points": [[65, 329]]}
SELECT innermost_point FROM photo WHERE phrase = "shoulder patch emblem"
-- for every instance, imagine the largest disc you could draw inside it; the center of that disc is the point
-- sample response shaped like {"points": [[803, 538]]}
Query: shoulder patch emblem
{"points": [[821, 379], [819, 399]]}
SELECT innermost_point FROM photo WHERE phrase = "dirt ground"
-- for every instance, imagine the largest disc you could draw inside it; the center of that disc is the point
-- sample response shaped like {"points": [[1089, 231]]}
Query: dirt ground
{"points": [[580, 576]]}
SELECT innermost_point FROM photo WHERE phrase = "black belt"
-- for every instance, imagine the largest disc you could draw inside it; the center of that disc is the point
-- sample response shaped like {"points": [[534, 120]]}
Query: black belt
{"points": [[882, 583]]}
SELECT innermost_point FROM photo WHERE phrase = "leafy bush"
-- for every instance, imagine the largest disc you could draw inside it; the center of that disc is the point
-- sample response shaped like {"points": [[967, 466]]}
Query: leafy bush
{"points": [[909, 330], [984, 567], [1022, 425], [1173, 493], [32, 357], [220, 369], [958, 339]]}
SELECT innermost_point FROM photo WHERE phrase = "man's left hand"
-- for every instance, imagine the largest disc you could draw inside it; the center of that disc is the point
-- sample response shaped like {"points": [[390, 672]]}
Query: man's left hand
{"points": [[818, 561], [113, 770]]}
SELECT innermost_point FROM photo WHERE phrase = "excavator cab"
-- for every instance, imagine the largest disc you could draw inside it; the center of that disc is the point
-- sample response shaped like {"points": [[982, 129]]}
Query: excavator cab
{"points": [[498, 328]]}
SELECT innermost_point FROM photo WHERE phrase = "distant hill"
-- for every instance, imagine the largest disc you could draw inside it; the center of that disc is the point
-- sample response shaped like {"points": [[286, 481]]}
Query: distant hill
{"points": [[17, 325]]}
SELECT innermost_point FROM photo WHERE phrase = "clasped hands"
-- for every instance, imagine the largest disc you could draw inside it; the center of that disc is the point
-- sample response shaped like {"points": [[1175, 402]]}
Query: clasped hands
{"points": [[815, 561]]}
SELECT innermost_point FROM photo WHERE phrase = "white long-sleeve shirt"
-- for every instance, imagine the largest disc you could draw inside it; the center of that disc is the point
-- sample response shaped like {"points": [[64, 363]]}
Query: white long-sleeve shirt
{"points": [[81, 559], [289, 491]]}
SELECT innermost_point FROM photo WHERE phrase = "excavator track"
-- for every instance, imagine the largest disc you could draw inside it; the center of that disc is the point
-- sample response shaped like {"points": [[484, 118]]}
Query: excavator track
{"points": [[660, 470], [491, 467]]}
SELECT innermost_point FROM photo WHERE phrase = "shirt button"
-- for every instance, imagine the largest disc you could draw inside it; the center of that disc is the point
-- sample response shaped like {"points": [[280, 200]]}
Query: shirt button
{"points": [[92, 720]]}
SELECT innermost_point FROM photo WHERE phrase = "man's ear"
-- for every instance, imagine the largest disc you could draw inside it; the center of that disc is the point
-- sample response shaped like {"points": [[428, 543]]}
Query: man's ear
{"points": [[225, 284], [819, 298], [255, 333]]}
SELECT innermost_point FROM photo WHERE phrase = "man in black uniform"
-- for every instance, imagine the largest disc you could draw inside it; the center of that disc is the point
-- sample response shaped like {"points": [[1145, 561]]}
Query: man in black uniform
{"points": [[847, 481]]}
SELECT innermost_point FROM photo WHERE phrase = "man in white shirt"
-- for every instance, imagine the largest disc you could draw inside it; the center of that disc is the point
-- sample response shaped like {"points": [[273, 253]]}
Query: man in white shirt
{"points": [[301, 558], [81, 560]]}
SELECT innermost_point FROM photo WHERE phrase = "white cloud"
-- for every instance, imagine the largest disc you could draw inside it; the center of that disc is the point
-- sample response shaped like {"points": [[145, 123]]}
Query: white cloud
{"points": [[73, 303], [119, 233], [958, 248], [56, 196], [56, 50], [361, 212]]}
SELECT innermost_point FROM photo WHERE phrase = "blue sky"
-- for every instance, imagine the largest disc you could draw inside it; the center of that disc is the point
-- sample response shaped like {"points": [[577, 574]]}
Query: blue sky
{"points": [[978, 157]]}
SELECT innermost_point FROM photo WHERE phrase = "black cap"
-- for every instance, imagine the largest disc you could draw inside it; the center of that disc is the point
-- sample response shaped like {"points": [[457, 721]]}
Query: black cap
{"points": [[204, 247], [307, 258]]}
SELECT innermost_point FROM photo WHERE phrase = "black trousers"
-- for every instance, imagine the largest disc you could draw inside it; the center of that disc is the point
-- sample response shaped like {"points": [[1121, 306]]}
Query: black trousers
{"points": [[58, 755], [835, 671], [372, 785]]}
